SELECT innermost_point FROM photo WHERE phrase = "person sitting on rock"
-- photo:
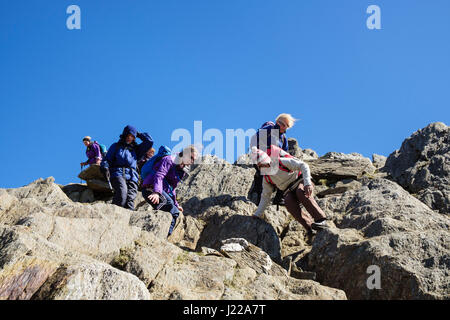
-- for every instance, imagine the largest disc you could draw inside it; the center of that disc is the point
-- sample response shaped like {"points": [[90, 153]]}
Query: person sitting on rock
{"points": [[271, 134], [120, 165], [293, 177], [160, 183], [93, 152]]}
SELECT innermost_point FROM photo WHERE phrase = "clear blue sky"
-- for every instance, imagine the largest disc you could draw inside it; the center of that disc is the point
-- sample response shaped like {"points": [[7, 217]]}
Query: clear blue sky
{"points": [[160, 65]]}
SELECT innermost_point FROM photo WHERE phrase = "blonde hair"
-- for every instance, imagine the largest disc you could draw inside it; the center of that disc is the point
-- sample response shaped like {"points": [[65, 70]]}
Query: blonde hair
{"points": [[287, 118], [191, 149]]}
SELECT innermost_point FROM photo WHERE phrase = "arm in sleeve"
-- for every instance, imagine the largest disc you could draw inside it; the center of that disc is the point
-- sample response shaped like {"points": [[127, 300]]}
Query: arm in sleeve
{"points": [[145, 145], [156, 179], [295, 164], [265, 198]]}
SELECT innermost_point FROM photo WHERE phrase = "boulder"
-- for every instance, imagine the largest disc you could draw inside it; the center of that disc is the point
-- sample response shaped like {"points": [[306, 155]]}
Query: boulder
{"points": [[334, 166], [147, 257], [422, 166], [193, 276], [255, 231], [248, 285], [97, 230], [154, 221], [383, 225], [91, 172], [91, 281], [247, 255], [378, 161]]}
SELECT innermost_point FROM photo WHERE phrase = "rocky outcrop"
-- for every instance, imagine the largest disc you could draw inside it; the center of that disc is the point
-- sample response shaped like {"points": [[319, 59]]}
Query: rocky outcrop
{"points": [[422, 166], [334, 166], [95, 179], [383, 225], [54, 248], [69, 242]]}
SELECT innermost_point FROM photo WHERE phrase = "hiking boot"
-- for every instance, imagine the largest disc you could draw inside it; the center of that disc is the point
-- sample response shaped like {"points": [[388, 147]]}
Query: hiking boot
{"points": [[320, 225]]}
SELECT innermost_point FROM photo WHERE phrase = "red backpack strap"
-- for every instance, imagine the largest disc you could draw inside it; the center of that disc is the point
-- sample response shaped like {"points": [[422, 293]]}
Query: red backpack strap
{"points": [[269, 180]]}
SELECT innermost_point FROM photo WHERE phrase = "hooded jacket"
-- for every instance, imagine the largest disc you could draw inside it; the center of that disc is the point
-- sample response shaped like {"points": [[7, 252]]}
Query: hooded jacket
{"points": [[121, 158]]}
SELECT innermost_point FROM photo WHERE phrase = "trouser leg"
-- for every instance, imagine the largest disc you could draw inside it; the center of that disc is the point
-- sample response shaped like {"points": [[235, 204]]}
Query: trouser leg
{"points": [[258, 184], [131, 194], [310, 203], [120, 191], [292, 205], [165, 204]]}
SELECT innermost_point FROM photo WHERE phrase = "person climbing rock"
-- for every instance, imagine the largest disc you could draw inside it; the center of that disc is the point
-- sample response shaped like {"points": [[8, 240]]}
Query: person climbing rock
{"points": [[269, 134], [162, 179], [293, 177], [93, 152], [120, 165]]}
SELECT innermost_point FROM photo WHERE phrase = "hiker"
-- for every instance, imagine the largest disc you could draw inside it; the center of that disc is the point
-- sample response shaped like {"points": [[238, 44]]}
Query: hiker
{"points": [[147, 156], [293, 177], [162, 175], [120, 165], [93, 152], [274, 134]]}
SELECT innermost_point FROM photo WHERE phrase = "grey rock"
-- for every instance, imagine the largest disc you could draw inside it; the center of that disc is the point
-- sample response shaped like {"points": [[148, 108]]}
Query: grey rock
{"points": [[341, 187], [378, 161], [383, 225], [333, 167], [153, 221], [422, 166]]}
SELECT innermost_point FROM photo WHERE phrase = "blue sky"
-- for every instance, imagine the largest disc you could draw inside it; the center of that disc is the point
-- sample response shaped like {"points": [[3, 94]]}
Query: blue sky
{"points": [[161, 65]]}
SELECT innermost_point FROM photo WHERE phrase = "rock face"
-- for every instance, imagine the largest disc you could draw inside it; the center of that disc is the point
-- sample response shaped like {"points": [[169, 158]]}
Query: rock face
{"points": [[54, 248], [422, 166], [67, 242], [383, 225]]}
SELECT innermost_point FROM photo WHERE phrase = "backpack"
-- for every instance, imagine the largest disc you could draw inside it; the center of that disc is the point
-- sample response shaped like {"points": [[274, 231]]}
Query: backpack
{"points": [[147, 168], [103, 149], [255, 138]]}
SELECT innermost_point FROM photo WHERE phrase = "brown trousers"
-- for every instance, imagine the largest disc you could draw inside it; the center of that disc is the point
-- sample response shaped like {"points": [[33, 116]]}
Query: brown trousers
{"points": [[292, 200]]}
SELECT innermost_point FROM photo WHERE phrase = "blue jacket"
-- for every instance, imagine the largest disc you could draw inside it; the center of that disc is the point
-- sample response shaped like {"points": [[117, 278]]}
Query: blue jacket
{"points": [[121, 158], [282, 140]]}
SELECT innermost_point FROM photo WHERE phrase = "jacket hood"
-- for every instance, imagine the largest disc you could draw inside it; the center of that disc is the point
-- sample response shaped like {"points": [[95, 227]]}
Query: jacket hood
{"points": [[128, 130]]}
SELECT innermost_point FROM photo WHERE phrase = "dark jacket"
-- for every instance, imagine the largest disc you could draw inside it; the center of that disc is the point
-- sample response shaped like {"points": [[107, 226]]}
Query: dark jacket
{"points": [[271, 137], [121, 158]]}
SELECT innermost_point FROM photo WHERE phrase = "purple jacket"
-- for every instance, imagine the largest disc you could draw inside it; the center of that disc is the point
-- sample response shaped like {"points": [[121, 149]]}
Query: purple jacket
{"points": [[165, 176], [93, 153]]}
